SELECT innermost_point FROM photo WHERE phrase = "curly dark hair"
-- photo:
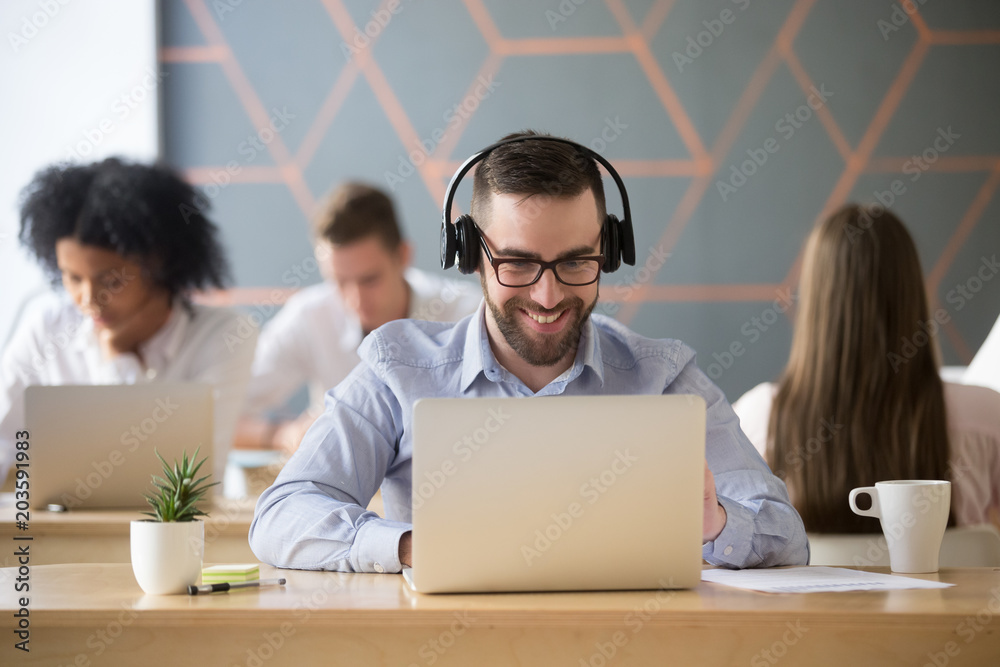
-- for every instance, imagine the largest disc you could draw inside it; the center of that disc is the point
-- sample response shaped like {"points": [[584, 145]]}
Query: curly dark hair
{"points": [[146, 213]]}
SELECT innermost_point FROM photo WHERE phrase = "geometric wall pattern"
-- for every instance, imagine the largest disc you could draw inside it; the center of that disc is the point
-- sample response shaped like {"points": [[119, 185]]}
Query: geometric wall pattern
{"points": [[736, 125]]}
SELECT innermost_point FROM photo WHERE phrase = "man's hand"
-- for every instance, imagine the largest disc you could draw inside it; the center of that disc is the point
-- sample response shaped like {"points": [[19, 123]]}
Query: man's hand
{"points": [[406, 548], [714, 517]]}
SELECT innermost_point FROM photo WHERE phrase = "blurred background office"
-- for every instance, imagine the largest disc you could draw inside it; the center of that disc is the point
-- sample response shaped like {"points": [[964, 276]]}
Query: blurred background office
{"points": [[737, 124]]}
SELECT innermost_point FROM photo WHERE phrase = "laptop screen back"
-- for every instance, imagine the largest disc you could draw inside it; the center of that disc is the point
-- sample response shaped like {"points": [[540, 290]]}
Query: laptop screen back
{"points": [[93, 446], [557, 493]]}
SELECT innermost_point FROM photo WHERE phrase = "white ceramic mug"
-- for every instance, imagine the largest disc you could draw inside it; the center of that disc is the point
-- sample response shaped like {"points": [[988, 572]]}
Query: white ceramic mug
{"points": [[913, 514]]}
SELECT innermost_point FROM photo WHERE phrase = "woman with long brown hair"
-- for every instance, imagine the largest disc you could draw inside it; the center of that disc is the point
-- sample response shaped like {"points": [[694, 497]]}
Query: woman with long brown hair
{"points": [[860, 399]]}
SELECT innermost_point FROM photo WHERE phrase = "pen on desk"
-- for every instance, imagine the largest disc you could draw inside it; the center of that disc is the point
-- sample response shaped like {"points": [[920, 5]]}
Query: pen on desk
{"points": [[218, 588]]}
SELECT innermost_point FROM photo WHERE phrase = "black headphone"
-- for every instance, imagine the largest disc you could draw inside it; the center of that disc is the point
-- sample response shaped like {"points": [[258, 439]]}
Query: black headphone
{"points": [[461, 239]]}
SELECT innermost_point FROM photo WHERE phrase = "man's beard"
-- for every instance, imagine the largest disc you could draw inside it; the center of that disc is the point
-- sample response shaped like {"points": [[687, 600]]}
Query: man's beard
{"points": [[535, 348]]}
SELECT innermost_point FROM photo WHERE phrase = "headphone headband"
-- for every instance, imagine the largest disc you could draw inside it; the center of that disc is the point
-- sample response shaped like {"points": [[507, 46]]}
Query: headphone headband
{"points": [[481, 155], [461, 239]]}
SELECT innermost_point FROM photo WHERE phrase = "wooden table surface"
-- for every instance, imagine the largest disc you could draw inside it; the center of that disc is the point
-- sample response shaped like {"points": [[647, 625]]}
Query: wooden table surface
{"points": [[96, 614], [102, 536]]}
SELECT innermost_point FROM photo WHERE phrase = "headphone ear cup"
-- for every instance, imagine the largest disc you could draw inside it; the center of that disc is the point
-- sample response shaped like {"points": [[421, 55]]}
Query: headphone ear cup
{"points": [[467, 244], [627, 241], [610, 244], [449, 245]]}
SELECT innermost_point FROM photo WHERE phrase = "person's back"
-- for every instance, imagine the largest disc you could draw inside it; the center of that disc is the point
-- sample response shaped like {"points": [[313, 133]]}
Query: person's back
{"points": [[860, 399], [973, 439]]}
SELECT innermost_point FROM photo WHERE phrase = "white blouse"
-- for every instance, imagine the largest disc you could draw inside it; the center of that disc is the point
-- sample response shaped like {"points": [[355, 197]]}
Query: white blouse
{"points": [[974, 433], [56, 345], [985, 367]]}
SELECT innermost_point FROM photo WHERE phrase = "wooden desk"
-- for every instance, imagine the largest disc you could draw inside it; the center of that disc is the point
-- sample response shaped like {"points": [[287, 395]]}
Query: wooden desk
{"points": [[96, 614], [102, 536]]}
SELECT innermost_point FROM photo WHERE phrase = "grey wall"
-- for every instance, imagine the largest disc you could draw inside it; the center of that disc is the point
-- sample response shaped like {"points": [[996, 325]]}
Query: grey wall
{"points": [[674, 93]]}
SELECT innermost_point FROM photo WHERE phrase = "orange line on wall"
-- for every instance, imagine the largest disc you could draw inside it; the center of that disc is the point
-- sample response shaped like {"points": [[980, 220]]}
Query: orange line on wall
{"points": [[945, 163], [668, 98], [785, 39], [192, 54], [484, 22], [327, 112], [255, 109], [448, 166], [923, 32], [658, 80], [561, 46], [342, 87], [694, 293], [654, 19], [758, 82], [622, 16], [856, 163], [891, 101], [384, 94], [823, 111], [699, 168], [668, 239], [652, 168], [249, 100], [964, 229], [452, 134], [220, 175], [964, 37]]}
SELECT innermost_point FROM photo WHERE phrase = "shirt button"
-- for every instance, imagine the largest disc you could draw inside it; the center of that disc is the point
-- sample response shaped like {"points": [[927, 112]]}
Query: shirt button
{"points": [[150, 373], [727, 551], [380, 569]]}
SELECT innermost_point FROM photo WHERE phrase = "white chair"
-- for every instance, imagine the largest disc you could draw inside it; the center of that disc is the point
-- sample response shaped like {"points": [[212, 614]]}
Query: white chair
{"points": [[968, 546]]}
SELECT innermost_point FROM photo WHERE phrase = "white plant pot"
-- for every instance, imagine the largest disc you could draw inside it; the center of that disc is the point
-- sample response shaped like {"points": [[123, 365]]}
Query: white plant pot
{"points": [[167, 556]]}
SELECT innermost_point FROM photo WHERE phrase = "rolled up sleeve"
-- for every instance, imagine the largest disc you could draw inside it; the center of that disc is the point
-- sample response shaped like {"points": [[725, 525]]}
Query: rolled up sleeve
{"points": [[313, 517]]}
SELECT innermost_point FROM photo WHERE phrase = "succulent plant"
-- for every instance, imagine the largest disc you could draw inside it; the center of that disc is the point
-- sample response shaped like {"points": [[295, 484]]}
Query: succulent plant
{"points": [[179, 490]]}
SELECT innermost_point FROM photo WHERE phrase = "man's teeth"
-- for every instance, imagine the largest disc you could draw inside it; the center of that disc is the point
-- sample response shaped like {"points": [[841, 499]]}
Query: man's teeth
{"points": [[543, 319]]}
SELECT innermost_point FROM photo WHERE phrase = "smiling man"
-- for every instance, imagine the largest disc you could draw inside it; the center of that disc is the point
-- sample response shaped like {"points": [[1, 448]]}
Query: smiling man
{"points": [[538, 245]]}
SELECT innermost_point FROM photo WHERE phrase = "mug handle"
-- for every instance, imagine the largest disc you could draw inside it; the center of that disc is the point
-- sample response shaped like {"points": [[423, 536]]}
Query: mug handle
{"points": [[875, 511]]}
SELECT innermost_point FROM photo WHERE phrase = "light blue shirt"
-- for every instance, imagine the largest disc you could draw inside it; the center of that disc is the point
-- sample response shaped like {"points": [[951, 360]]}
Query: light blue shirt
{"points": [[314, 516]]}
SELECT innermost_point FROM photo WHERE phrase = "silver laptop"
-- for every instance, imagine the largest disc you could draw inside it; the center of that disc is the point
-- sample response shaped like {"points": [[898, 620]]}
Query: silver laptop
{"points": [[557, 493], [93, 446]]}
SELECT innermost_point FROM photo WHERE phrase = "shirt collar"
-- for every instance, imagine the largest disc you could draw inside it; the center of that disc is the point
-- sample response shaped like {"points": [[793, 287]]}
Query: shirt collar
{"points": [[477, 355], [479, 358], [589, 352]]}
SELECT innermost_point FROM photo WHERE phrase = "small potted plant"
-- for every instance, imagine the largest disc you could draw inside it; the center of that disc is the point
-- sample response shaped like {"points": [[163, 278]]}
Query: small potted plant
{"points": [[167, 550]]}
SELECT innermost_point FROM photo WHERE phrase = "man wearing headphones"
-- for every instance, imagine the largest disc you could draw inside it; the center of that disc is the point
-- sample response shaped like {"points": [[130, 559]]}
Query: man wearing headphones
{"points": [[539, 236]]}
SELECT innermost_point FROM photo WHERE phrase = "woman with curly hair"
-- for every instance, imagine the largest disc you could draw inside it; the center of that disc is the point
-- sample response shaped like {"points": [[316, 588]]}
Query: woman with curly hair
{"points": [[861, 399], [129, 244]]}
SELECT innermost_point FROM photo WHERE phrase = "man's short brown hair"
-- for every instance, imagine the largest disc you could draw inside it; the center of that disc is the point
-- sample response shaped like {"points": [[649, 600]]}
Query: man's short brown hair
{"points": [[354, 212], [534, 168]]}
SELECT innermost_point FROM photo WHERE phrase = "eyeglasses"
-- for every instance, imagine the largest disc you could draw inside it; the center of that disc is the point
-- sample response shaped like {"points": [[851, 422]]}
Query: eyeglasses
{"points": [[520, 272]]}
